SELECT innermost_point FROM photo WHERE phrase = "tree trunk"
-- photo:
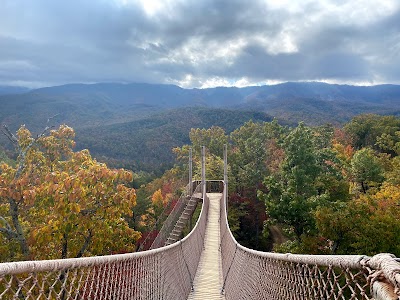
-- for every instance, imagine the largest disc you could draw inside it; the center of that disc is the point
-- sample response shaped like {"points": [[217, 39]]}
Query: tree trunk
{"points": [[85, 245], [364, 187], [18, 228], [298, 230], [64, 250]]}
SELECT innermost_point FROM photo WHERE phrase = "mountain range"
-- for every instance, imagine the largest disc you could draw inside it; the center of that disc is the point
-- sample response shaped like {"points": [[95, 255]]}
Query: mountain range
{"points": [[106, 115]]}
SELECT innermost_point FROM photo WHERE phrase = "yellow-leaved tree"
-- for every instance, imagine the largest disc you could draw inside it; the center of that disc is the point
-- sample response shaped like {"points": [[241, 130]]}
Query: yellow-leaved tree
{"points": [[57, 203]]}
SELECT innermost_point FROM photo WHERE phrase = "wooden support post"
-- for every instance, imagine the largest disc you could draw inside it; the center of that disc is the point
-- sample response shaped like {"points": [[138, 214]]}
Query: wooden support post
{"points": [[226, 177], [191, 222], [226, 164], [203, 169], [190, 172]]}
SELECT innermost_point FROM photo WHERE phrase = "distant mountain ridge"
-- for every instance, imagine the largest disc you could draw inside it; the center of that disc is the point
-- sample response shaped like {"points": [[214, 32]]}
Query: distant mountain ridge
{"points": [[89, 104], [330, 92], [9, 90], [162, 94], [128, 115]]}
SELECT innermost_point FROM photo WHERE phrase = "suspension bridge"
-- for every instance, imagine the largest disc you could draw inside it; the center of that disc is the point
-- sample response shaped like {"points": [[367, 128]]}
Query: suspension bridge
{"points": [[206, 264]]}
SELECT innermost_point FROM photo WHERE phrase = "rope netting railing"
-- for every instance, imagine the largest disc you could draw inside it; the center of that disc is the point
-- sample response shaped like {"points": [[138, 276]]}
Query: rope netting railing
{"points": [[174, 215], [165, 273], [147, 242], [250, 274], [172, 207]]}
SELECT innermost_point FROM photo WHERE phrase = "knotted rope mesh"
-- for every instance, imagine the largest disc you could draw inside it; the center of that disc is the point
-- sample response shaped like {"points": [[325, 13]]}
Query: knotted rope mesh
{"points": [[168, 273], [250, 274], [164, 273], [173, 216]]}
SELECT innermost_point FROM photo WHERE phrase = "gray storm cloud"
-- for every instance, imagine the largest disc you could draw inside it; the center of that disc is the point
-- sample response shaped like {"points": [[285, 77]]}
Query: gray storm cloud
{"points": [[199, 43]]}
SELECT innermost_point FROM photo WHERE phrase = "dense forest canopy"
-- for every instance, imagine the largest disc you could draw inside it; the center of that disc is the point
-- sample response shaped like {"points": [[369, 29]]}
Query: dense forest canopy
{"points": [[319, 190]]}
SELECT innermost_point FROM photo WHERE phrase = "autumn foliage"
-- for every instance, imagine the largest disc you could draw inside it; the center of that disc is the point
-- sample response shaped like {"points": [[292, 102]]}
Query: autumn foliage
{"points": [[318, 190], [57, 203]]}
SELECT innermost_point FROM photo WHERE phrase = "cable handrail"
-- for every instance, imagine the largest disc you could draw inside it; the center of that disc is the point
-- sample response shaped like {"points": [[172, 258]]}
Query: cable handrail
{"points": [[162, 273], [173, 217], [186, 192], [252, 274], [168, 272]]}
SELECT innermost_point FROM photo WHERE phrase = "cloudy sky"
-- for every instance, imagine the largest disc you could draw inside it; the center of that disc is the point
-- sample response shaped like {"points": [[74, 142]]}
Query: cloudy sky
{"points": [[199, 43]]}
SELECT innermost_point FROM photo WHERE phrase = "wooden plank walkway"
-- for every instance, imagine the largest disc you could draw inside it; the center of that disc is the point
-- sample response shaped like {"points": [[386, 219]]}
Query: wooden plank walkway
{"points": [[208, 280]]}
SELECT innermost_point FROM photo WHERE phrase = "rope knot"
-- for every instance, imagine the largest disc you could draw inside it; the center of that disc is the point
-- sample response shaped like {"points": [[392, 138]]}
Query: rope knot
{"points": [[385, 269]]}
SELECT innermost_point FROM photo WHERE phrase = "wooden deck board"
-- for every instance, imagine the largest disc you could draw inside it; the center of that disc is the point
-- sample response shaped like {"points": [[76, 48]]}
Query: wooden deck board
{"points": [[208, 280]]}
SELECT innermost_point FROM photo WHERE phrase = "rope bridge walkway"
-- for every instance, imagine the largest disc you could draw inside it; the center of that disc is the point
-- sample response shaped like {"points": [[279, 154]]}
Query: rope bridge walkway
{"points": [[206, 264], [208, 281]]}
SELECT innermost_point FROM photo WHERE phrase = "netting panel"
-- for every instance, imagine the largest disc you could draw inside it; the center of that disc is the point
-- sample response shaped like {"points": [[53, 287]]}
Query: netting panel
{"points": [[173, 217], [250, 274], [164, 273], [168, 273]]}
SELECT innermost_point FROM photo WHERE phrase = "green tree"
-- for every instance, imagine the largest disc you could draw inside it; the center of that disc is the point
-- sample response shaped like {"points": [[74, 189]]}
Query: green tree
{"points": [[248, 154], [374, 131], [308, 177], [392, 175], [353, 228], [213, 139], [291, 193], [249, 160], [366, 169]]}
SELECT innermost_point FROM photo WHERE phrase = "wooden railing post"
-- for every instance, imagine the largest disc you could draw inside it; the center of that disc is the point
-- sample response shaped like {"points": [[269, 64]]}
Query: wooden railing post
{"points": [[203, 169], [190, 172], [226, 176]]}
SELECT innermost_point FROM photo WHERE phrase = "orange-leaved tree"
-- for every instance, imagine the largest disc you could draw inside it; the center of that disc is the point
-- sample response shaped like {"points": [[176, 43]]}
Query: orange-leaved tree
{"points": [[57, 203]]}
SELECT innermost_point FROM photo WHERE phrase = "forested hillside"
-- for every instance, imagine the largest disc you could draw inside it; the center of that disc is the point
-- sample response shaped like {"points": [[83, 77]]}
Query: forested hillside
{"points": [[147, 144], [309, 188], [319, 190], [302, 189], [136, 125]]}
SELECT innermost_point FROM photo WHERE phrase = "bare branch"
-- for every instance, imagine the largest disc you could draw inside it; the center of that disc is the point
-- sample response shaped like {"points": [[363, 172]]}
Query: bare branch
{"points": [[51, 118], [8, 232], [85, 212], [12, 136], [86, 244], [18, 233], [6, 131], [5, 223], [47, 128]]}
